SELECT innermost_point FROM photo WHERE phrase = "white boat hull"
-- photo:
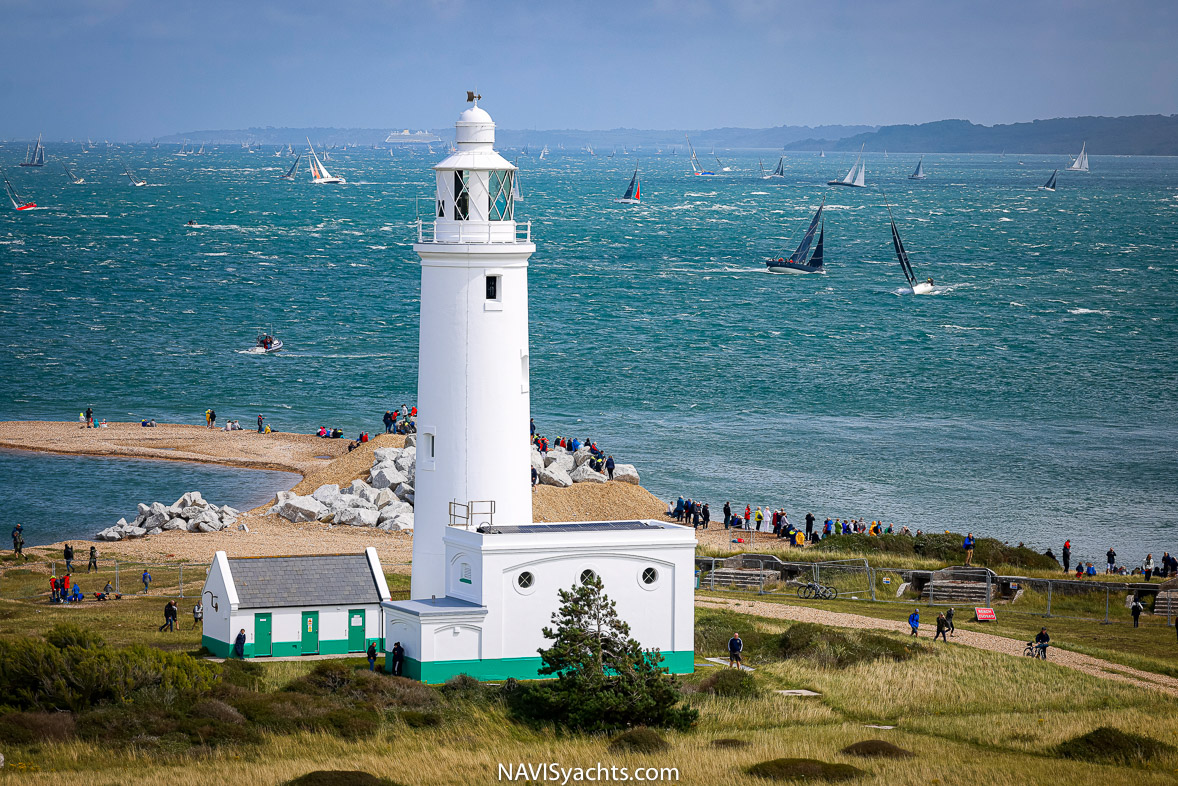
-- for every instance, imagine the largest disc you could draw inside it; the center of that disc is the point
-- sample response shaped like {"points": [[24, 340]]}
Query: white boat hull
{"points": [[922, 288], [334, 180], [629, 201]]}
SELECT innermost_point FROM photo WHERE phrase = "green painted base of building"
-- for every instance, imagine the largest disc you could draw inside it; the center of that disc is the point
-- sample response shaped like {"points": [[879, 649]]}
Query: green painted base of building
{"points": [[287, 649], [436, 672]]}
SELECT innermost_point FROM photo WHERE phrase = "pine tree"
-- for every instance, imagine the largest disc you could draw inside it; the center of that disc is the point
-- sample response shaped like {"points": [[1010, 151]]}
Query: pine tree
{"points": [[605, 680]]}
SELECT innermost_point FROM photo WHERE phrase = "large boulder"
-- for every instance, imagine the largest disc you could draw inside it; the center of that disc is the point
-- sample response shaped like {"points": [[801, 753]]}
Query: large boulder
{"points": [[227, 511], [358, 517], [561, 459], [626, 473], [384, 497], [354, 487], [385, 455], [283, 496], [156, 520], [326, 493], [300, 509], [405, 492], [537, 460], [407, 459], [583, 474], [581, 456], [136, 532], [393, 510], [388, 477], [553, 475], [110, 533], [411, 441], [191, 512], [176, 523], [370, 495], [193, 498], [399, 523]]}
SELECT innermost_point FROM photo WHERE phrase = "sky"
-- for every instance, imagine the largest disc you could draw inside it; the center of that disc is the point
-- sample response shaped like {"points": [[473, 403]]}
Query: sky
{"points": [[137, 69]]}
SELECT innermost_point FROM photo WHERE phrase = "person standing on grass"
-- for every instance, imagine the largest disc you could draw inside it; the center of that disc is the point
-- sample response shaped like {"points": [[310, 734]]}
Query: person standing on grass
{"points": [[735, 648], [942, 628], [809, 526], [68, 554], [53, 590], [198, 616], [93, 563], [914, 622], [1067, 555], [949, 619], [398, 658], [967, 545], [1135, 609], [1110, 557], [146, 579], [239, 645], [169, 617], [18, 541], [372, 656], [1147, 566]]}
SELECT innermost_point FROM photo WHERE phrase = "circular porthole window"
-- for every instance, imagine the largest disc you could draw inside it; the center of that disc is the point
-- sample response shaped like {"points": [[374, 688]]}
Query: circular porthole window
{"points": [[525, 580], [649, 576], [587, 576]]}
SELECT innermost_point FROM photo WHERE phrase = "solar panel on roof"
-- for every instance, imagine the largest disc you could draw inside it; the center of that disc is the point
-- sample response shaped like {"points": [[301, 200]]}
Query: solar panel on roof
{"points": [[571, 526]]}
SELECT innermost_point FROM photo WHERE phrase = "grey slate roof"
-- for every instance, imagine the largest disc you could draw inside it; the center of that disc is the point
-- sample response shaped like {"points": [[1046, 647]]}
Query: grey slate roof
{"points": [[320, 580]]}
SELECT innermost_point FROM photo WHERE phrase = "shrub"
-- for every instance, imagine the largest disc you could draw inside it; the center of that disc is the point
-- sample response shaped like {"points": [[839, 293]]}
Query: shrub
{"points": [[880, 749], [352, 723], [729, 742], [24, 728], [943, 547], [804, 770], [639, 740], [242, 673], [345, 683], [339, 778], [840, 648], [282, 712], [215, 709], [35, 674], [1112, 746], [464, 687], [415, 719], [67, 634], [729, 682]]}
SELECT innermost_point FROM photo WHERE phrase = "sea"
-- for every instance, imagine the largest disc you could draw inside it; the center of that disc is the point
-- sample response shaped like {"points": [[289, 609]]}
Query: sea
{"points": [[1031, 397]]}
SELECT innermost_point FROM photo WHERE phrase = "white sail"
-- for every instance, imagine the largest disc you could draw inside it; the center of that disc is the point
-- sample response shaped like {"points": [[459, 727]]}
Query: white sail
{"points": [[919, 173], [1081, 162], [319, 174]]}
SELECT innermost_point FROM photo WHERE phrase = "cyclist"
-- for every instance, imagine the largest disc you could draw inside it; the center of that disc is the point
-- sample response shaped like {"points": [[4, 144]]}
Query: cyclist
{"points": [[1042, 642]]}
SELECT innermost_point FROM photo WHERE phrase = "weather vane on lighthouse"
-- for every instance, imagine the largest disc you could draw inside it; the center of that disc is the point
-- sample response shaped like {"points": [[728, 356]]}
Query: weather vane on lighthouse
{"points": [[473, 97]]}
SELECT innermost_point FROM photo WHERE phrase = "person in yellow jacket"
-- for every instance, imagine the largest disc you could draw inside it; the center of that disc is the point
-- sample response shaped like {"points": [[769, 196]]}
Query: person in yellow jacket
{"points": [[758, 517]]}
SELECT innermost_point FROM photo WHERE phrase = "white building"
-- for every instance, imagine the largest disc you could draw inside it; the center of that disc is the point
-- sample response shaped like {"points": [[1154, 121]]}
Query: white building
{"points": [[485, 577], [306, 605]]}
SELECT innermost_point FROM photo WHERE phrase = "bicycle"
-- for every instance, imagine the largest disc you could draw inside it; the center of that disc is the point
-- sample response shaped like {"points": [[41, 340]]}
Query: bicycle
{"points": [[812, 590], [1032, 650]]}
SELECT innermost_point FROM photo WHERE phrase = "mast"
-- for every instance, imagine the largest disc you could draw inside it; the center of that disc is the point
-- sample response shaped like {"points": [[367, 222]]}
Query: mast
{"points": [[901, 254], [816, 259]]}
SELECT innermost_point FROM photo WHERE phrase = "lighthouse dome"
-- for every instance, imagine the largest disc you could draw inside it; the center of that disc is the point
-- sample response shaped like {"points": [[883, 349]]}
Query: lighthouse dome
{"points": [[474, 127], [475, 114]]}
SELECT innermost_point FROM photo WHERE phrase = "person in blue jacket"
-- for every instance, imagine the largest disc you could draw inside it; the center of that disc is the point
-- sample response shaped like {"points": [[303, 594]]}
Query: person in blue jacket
{"points": [[967, 545], [914, 621]]}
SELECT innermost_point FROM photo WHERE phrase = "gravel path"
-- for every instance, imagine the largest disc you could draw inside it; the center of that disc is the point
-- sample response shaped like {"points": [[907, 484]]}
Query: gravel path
{"points": [[984, 641]]}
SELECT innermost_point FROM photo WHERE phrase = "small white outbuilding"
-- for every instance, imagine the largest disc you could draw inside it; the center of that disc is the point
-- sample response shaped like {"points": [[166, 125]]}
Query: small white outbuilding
{"points": [[324, 604]]}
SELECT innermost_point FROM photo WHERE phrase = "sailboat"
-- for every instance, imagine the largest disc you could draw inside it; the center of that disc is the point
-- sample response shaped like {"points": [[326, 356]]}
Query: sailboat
{"points": [[919, 173], [696, 169], [318, 173], [822, 154], [856, 177], [1050, 184], [290, 173], [1081, 162], [18, 202], [797, 262], [721, 164], [35, 156], [200, 152], [543, 152], [918, 288], [77, 181], [633, 194], [183, 151], [135, 180]]}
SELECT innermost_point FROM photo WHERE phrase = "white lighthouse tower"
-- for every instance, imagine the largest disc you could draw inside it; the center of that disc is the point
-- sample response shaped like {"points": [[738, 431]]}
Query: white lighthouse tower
{"points": [[485, 576], [472, 390]]}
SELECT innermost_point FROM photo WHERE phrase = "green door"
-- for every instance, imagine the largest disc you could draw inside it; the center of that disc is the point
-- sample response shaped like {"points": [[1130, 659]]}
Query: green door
{"points": [[356, 630], [262, 635], [310, 644]]}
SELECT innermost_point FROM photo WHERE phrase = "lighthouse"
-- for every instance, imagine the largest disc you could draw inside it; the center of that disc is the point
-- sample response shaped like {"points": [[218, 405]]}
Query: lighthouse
{"points": [[486, 578], [473, 464]]}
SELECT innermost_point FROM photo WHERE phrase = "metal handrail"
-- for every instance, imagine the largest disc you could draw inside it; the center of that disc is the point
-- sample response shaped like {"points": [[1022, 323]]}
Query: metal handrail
{"points": [[480, 232]]}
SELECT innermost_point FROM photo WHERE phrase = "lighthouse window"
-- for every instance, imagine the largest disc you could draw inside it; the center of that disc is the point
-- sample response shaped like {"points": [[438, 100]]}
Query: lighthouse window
{"points": [[493, 287], [588, 576], [500, 206], [525, 580], [462, 196], [650, 576]]}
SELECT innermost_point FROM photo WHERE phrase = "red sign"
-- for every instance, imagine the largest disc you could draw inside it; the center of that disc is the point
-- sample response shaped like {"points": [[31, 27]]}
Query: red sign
{"points": [[985, 615]]}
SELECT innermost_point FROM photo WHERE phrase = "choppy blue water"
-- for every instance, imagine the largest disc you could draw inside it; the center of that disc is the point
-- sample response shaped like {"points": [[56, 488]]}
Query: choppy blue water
{"points": [[60, 497], [1032, 398]]}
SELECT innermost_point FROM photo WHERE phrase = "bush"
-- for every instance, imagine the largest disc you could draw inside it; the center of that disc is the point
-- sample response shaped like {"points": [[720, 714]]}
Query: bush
{"points": [[282, 712], [215, 709], [1107, 745], [339, 778], [352, 723], [35, 674], [242, 673], [639, 740], [67, 634], [421, 720], [804, 770], [880, 749], [840, 648], [345, 683], [714, 628], [729, 682], [464, 687], [944, 548], [25, 728]]}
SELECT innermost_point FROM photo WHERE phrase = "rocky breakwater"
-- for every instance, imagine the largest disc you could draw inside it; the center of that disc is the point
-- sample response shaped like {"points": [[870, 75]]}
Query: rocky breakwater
{"points": [[190, 513], [384, 501], [558, 467]]}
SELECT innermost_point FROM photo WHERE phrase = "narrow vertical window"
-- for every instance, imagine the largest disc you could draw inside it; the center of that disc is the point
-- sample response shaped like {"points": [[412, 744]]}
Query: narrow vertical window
{"points": [[429, 445], [493, 287], [525, 372], [462, 196]]}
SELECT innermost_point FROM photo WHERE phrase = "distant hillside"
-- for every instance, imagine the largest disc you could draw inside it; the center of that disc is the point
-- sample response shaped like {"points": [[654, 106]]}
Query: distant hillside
{"points": [[777, 137], [1141, 135]]}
